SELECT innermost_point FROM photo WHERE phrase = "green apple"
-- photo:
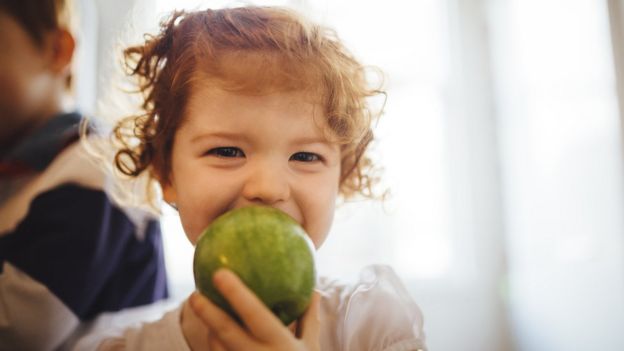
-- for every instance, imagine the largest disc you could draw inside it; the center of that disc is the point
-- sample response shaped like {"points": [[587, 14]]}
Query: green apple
{"points": [[270, 253]]}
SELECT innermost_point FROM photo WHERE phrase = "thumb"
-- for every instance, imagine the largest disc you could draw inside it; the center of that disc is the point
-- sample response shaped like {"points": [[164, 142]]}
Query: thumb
{"points": [[311, 324]]}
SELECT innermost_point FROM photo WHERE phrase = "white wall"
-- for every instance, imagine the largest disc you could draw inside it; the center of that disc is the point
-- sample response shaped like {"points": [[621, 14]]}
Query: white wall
{"points": [[561, 159]]}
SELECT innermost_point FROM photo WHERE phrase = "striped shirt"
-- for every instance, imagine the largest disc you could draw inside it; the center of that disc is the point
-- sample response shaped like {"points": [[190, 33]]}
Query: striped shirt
{"points": [[68, 252]]}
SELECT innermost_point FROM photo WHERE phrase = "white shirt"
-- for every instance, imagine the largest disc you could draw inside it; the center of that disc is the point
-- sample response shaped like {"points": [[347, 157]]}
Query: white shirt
{"points": [[376, 313]]}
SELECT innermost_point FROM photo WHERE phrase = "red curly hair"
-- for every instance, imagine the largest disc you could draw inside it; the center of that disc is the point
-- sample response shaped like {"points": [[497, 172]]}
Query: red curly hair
{"points": [[286, 53]]}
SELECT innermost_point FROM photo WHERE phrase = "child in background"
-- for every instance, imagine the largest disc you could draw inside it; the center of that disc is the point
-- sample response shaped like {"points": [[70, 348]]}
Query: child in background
{"points": [[67, 252], [258, 106]]}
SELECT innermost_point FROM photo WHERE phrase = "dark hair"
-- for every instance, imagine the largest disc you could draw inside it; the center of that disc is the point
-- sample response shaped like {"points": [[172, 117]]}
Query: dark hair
{"points": [[288, 52]]}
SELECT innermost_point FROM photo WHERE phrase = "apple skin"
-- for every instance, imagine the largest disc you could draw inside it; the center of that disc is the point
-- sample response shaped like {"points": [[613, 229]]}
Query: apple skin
{"points": [[268, 250]]}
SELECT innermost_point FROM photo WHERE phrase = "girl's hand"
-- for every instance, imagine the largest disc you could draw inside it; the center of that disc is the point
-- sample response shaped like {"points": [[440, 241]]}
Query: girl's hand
{"points": [[195, 331], [264, 330]]}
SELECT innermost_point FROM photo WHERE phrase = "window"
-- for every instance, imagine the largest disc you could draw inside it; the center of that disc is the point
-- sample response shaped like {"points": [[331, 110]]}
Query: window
{"points": [[561, 155]]}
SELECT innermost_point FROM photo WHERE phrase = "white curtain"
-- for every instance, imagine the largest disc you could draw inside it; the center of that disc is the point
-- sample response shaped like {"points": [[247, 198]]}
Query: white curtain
{"points": [[557, 114]]}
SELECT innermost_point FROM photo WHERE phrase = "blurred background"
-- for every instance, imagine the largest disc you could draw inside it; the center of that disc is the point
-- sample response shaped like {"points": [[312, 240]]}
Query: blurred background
{"points": [[501, 144]]}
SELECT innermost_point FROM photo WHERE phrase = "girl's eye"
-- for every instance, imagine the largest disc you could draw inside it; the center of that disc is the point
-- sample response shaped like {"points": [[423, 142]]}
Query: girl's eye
{"points": [[305, 157], [226, 152]]}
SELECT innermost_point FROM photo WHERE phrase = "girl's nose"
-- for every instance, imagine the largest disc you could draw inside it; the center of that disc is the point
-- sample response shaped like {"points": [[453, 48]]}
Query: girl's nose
{"points": [[266, 184]]}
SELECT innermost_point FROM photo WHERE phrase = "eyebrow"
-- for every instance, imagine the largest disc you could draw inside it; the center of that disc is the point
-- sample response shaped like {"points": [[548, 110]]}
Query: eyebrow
{"points": [[311, 140], [306, 140], [324, 143], [222, 135]]}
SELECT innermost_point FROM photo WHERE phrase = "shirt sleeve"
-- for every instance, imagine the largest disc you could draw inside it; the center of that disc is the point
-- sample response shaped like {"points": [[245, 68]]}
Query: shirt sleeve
{"points": [[74, 256], [87, 252], [31, 318], [124, 330], [377, 313]]}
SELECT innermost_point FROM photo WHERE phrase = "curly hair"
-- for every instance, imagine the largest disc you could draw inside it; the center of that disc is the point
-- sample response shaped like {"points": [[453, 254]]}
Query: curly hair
{"points": [[293, 54]]}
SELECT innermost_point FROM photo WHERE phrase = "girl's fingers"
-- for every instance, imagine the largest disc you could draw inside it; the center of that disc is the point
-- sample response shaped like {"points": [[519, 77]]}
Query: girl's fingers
{"points": [[221, 325], [262, 325], [310, 326], [261, 322]]}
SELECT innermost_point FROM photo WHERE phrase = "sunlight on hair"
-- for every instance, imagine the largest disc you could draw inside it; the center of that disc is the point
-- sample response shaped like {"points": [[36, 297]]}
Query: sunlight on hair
{"points": [[164, 6]]}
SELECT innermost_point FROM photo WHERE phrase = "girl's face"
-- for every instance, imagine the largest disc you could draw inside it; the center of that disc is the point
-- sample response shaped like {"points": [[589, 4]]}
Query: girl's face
{"points": [[236, 150]]}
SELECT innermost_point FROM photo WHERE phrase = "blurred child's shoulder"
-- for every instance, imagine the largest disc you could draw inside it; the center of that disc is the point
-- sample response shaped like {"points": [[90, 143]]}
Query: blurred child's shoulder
{"points": [[67, 167], [373, 312]]}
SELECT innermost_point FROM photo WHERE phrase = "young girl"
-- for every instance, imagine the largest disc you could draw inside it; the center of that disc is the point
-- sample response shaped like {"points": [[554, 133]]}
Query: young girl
{"points": [[258, 106]]}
